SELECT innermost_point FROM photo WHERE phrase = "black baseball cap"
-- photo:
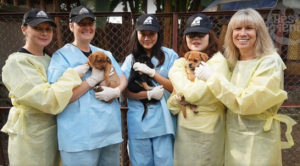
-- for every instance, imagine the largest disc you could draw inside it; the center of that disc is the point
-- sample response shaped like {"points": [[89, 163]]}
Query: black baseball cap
{"points": [[37, 16], [147, 22], [79, 13], [197, 23]]}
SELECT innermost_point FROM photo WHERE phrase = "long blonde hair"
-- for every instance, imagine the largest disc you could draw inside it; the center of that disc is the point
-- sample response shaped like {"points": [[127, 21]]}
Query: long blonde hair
{"points": [[263, 43]]}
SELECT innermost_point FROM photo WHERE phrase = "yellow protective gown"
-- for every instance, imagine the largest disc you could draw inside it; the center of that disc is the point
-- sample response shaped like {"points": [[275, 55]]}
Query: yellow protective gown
{"points": [[200, 137], [31, 123], [253, 98]]}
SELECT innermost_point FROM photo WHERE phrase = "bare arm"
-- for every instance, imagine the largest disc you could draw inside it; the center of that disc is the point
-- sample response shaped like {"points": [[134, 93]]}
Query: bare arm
{"points": [[123, 82], [166, 83], [136, 96], [79, 91]]}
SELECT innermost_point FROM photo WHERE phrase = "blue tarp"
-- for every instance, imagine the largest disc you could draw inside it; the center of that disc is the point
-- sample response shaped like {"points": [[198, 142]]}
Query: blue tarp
{"points": [[236, 5], [256, 4]]}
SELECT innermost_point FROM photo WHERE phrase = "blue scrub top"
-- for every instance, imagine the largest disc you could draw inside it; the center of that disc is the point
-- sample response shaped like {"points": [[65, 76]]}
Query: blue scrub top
{"points": [[158, 121], [87, 123]]}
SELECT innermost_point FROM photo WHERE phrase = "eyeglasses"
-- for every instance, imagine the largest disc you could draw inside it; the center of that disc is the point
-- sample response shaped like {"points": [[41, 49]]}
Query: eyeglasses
{"points": [[195, 34]]}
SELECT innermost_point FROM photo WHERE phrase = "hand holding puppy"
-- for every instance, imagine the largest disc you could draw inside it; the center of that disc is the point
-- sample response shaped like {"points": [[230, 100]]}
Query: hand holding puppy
{"points": [[137, 66], [81, 69], [204, 71], [181, 102], [156, 93], [108, 93], [96, 76]]}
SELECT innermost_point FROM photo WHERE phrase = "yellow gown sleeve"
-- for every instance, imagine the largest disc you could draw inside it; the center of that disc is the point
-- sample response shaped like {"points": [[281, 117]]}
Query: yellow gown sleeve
{"points": [[264, 90], [196, 92], [28, 85], [173, 105]]}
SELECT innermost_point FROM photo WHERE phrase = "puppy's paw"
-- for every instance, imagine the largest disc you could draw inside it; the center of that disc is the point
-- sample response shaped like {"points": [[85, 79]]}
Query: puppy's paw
{"points": [[194, 109], [179, 97], [98, 89], [149, 88]]}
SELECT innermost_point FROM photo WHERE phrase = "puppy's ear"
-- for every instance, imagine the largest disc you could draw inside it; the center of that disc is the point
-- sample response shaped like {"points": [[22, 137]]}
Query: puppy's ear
{"points": [[186, 55], [204, 57], [92, 58]]}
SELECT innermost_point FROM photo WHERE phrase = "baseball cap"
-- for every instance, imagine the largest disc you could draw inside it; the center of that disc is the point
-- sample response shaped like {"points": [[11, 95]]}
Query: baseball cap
{"points": [[79, 13], [197, 23], [147, 22], [37, 16]]}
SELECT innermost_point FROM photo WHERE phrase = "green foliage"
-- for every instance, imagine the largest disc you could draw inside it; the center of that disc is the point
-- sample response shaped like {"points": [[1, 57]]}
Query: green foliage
{"points": [[183, 5], [136, 6], [113, 4]]}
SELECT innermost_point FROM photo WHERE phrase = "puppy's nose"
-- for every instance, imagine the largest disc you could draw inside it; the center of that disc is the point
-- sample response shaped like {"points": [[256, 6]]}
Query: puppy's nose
{"points": [[190, 65]]}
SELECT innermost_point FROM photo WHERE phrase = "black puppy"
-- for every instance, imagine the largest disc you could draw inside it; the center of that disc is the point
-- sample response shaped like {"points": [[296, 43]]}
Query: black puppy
{"points": [[139, 81]]}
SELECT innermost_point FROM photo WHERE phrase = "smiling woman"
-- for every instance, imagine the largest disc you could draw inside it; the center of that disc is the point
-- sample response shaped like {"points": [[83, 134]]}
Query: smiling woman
{"points": [[83, 30], [147, 39], [253, 95], [150, 139], [79, 143], [39, 35], [32, 122], [208, 125], [244, 38]]}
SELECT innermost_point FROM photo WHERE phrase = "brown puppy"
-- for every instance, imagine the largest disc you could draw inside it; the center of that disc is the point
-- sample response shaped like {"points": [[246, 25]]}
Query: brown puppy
{"points": [[101, 61], [193, 58]]}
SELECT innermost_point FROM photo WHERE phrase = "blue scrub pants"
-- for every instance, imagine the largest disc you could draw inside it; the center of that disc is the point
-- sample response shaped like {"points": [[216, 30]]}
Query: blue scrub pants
{"points": [[105, 156], [156, 151]]}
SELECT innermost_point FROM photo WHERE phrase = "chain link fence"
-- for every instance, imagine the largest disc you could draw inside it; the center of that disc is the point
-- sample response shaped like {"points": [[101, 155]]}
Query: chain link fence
{"points": [[113, 32]]}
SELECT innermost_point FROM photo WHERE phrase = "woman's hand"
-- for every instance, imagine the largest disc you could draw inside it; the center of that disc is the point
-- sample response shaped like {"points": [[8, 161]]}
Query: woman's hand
{"points": [[137, 66], [96, 76], [156, 93], [204, 71], [81, 69], [181, 100], [108, 93]]}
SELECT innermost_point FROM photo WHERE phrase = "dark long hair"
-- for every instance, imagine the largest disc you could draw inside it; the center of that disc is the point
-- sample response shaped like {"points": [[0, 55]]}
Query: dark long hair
{"points": [[212, 48], [137, 49]]}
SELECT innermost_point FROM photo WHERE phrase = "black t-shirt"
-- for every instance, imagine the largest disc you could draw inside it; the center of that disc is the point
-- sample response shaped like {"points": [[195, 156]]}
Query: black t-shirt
{"points": [[23, 50], [85, 53]]}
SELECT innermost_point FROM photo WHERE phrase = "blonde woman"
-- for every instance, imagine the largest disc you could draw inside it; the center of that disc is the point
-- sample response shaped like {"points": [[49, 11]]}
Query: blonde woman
{"points": [[253, 95]]}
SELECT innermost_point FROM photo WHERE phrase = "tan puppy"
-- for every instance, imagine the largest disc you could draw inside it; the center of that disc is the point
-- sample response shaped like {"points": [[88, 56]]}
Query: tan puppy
{"points": [[101, 61], [193, 58]]}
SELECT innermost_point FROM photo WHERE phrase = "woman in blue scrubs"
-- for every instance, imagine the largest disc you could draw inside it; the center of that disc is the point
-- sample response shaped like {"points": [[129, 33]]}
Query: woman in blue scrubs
{"points": [[89, 129], [150, 140]]}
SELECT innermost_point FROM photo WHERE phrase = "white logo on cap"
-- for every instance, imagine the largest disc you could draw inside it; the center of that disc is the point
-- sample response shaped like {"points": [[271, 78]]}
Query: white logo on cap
{"points": [[196, 21], [41, 14], [148, 20], [83, 11]]}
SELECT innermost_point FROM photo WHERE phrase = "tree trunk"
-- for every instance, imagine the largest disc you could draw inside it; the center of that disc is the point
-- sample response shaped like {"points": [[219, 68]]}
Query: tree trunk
{"points": [[167, 25], [131, 7], [145, 5], [158, 9]]}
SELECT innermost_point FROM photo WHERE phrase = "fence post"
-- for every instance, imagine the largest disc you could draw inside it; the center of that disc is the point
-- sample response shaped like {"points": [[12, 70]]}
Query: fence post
{"points": [[175, 31]]}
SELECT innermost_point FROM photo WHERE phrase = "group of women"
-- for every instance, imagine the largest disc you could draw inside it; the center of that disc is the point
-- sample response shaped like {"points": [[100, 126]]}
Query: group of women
{"points": [[57, 117]]}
